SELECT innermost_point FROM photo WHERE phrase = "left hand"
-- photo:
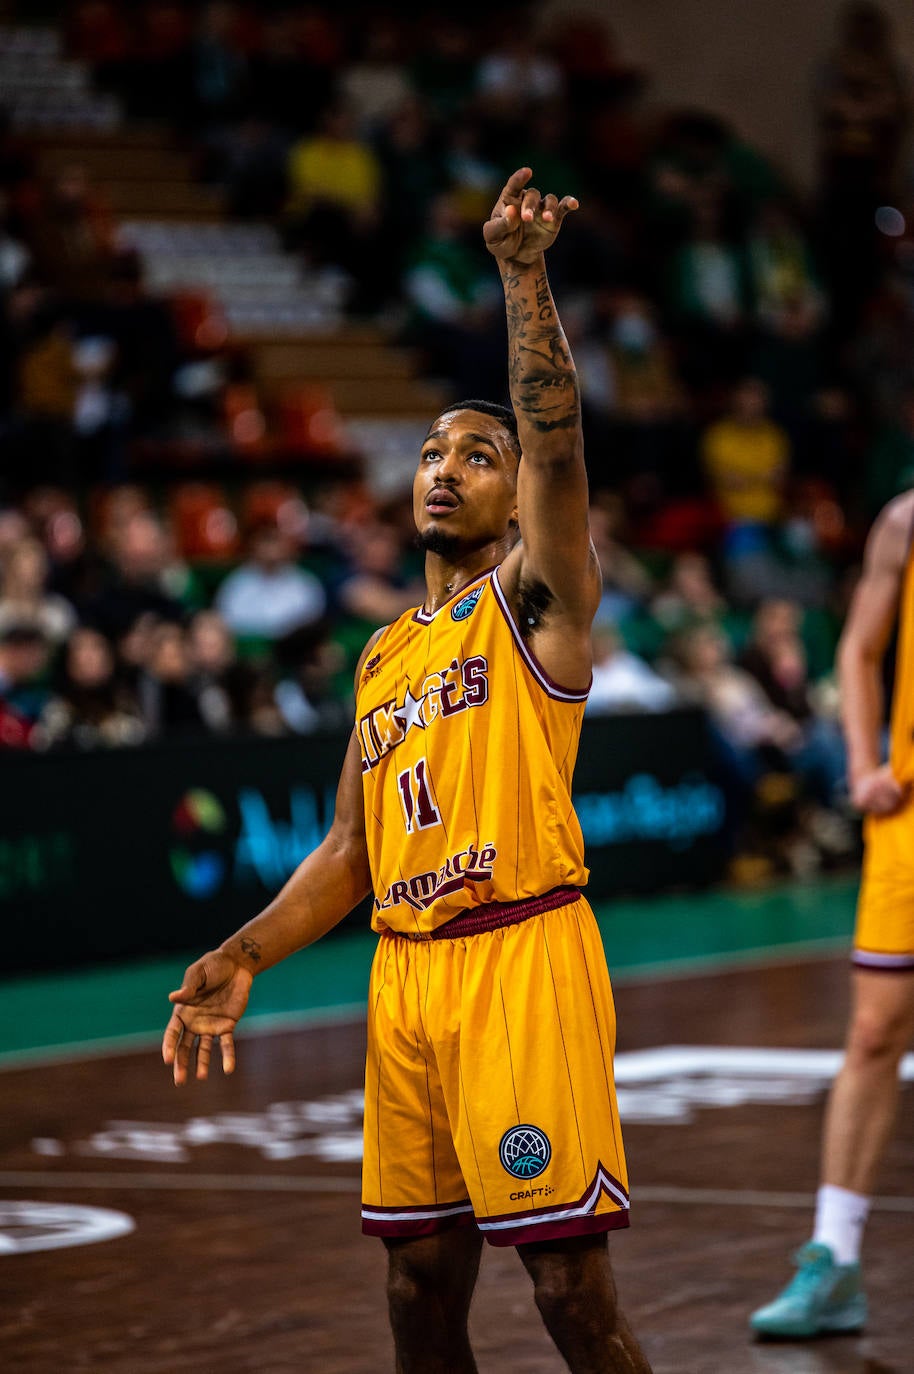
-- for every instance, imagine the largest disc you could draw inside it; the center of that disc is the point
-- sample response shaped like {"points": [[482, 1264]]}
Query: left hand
{"points": [[524, 223], [878, 792], [207, 1006]]}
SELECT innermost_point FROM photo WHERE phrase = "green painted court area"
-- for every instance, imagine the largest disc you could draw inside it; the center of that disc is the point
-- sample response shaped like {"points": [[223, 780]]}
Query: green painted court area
{"points": [[114, 1006]]}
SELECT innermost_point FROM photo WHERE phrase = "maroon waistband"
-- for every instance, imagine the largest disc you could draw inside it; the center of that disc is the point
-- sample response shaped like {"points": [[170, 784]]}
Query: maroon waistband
{"points": [[494, 916]]}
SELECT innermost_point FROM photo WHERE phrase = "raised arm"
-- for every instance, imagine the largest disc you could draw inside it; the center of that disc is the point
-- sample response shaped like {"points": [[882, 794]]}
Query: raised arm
{"points": [[556, 554], [867, 631]]}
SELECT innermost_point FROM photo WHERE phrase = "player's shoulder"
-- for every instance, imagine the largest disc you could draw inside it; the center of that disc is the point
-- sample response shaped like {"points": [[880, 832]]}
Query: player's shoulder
{"points": [[895, 522], [366, 654], [898, 514], [889, 541]]}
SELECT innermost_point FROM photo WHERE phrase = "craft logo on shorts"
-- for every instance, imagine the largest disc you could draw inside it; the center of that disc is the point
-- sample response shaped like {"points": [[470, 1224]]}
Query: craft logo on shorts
{"points": [[467, 604], [525, 1151]]}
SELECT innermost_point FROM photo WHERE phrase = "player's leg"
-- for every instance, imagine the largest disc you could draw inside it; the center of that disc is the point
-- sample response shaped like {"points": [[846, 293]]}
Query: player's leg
{"points": [[525, 1058], [412, 1184], [413, 1193], [429, 1288], [576, 1295], [526, 1064], [826, 1293], [864, 1097]]}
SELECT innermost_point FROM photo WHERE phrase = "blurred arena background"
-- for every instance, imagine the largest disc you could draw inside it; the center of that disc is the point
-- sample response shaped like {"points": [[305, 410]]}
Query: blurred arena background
{"points": [[241, 269]]}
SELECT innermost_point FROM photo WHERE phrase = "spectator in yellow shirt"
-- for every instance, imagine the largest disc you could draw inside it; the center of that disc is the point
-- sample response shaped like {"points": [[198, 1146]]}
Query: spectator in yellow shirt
{"points": [[745, 456], [333, 207]]}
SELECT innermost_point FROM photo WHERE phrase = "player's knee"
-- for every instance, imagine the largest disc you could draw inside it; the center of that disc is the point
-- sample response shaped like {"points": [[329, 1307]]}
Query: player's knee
{"points": [[565, 1296], [418, 1274], [411, 1279], [877, 1038], [555, 1295], [406, 1291]]}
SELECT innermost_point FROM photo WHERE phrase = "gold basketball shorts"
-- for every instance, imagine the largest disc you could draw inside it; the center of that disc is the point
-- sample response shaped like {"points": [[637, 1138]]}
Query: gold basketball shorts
{"points": [[489, 1093], [884, 933]]}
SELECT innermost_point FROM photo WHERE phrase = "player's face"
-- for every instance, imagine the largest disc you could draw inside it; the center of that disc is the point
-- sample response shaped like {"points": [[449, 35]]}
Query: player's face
{"points": [[466, 482]]}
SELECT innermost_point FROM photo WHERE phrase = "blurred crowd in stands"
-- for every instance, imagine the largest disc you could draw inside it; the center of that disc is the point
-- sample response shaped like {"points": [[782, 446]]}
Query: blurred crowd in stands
{"points": [[746, 354]]}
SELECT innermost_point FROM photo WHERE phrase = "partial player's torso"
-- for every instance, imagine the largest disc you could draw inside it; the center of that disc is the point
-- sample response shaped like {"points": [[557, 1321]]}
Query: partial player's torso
{"points": [[467, 756]]}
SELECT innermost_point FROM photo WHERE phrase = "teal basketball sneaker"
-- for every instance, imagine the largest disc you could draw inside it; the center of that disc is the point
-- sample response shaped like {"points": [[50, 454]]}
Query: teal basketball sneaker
{"points": [[822, 1298]]}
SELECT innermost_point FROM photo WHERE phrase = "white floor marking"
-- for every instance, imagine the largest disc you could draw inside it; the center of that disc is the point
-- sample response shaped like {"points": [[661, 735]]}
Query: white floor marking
{"points": [[672, 1061], [29, 1226]]}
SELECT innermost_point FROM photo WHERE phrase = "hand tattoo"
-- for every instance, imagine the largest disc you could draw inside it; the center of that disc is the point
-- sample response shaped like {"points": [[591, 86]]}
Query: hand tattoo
{"points": [[251, 948]]}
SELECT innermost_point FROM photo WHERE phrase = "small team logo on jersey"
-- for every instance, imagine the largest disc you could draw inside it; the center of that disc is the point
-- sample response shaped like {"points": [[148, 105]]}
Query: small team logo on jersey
{"points": [[372, 667], [467, 604], [524, 1151]]}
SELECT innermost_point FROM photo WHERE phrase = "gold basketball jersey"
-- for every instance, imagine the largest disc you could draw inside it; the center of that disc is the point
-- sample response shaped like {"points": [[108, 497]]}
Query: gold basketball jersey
{"points": [[901, 749], [468, 750]]}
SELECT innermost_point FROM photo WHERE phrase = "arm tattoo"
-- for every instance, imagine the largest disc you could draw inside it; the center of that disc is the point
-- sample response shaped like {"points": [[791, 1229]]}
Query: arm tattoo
{"points": [[251, 948], [544, 387]]}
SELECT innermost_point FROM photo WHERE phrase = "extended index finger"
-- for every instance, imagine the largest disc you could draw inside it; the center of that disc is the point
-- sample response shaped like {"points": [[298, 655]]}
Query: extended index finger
{"points": [[516, 182]]}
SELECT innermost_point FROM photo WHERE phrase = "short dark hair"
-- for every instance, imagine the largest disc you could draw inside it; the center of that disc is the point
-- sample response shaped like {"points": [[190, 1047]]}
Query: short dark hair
{"points": [[503, 413]]}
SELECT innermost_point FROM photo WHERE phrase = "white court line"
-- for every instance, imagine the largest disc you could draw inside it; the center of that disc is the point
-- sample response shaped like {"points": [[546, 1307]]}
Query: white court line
{"points": [[748, 1197], [665, 1062], [293, 1183]]}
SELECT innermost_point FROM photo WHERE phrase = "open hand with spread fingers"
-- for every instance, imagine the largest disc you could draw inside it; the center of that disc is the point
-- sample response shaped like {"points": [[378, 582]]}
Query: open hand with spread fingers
{"points": [[207, 1007], [524, 223]]}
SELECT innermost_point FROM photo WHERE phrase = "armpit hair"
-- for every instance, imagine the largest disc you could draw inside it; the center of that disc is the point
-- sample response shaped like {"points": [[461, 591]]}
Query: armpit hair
{"points": [[533, 601]]}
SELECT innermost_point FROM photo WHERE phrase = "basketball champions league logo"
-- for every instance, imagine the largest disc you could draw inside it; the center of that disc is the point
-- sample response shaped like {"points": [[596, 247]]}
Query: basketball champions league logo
{"points": [[467, 604], [525, 1151]]}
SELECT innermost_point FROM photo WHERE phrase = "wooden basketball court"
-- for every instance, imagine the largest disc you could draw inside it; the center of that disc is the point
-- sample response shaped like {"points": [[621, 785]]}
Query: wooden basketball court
{"points": [[246, 1255]]}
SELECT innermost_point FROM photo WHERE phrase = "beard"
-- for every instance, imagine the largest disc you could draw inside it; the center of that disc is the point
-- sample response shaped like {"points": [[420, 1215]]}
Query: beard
{"points": [[437, 540]]}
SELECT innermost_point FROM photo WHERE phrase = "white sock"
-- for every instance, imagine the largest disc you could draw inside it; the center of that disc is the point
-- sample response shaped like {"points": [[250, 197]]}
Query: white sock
{"points": [[840, 1218]]}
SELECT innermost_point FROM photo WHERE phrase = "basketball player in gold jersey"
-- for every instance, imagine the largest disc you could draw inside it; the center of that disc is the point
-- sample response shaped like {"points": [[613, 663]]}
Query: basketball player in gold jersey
{"points": [[489, 1105], [826, 1294]]}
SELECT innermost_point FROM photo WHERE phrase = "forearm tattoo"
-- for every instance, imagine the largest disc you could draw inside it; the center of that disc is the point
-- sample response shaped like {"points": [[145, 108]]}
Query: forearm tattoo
{"points": [[251, 948], [544, 386]]}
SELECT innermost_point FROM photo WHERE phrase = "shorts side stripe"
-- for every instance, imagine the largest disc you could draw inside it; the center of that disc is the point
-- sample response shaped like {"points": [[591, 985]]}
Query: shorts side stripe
{"points": [[538, 1216], [402, 1223], [421, 1213], [890, 963]]}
